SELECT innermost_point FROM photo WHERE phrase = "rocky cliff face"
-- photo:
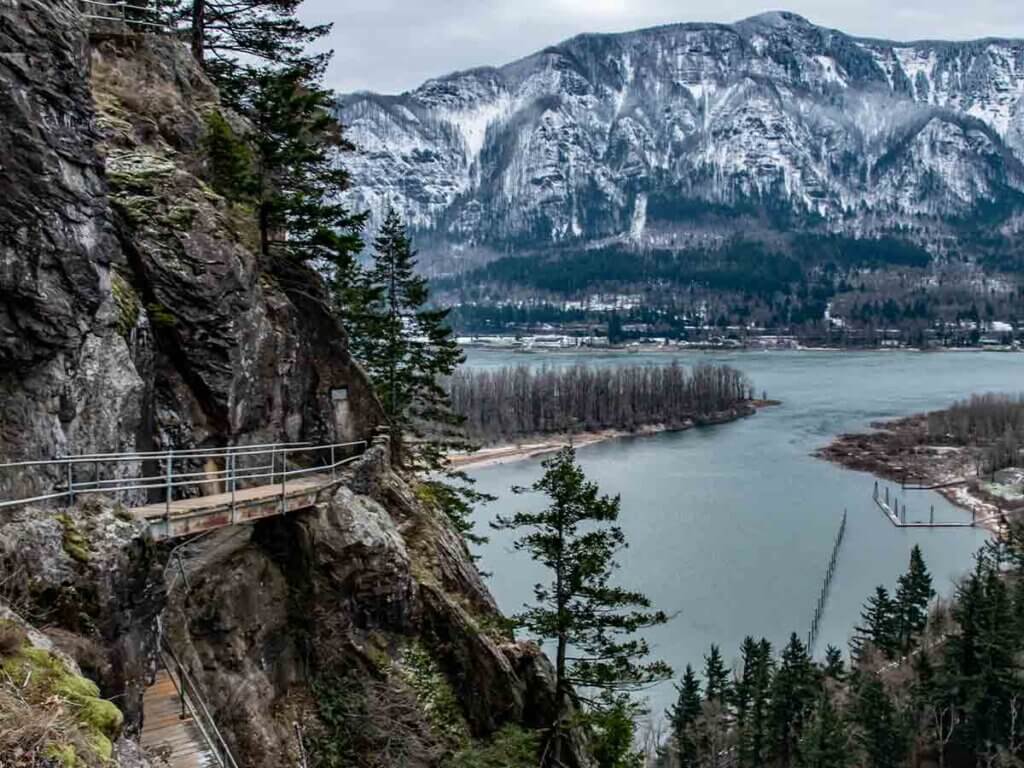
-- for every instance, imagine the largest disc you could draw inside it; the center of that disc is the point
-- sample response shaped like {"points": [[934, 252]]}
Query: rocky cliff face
{"points": [[135, 314], [659, 136], [359, 633], [133, 310], [364, 622]]}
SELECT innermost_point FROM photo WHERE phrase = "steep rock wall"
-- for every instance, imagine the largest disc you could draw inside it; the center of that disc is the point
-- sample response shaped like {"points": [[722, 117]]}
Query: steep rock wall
{"points": [[134, 313], [357, 603]]}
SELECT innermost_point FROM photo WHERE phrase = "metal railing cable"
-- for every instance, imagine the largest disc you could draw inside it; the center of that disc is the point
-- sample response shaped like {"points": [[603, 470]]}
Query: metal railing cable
{"points": [[129, 14], [199, 470], [192, 702]]}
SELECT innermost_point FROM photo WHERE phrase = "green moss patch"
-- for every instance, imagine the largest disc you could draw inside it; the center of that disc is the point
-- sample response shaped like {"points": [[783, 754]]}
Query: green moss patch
{"points": [[75, 544], [127, 300], [43, 681]]}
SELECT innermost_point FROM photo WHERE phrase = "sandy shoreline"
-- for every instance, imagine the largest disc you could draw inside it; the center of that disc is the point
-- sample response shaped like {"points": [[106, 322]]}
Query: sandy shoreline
{"points": [[544, 444]]}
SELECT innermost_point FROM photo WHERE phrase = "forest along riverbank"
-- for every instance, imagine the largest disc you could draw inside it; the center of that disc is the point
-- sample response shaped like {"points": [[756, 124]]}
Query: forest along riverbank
{"points": [[970, 453], [541, 445]]}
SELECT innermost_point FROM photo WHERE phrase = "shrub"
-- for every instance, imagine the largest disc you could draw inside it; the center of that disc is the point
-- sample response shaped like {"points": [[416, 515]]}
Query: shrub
{"points": [[511, 747]]}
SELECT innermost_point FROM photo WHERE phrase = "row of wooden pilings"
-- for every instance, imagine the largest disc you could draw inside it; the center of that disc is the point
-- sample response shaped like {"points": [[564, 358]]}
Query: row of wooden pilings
{"points": [[819, 609], [897, 513]]}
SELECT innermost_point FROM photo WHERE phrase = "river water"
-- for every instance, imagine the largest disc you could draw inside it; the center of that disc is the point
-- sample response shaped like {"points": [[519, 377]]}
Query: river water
{"points": [[730, 527]]}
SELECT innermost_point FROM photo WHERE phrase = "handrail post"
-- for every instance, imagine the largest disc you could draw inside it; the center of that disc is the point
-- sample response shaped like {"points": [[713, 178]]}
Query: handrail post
{"points": [[167, 494], [334, 468], [231, 479], [284, 478], [71, 483]]}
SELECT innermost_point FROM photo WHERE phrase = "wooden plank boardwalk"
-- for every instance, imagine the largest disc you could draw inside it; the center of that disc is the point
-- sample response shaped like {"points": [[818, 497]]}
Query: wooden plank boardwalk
{"points": [[204, 513], [165, 733]]}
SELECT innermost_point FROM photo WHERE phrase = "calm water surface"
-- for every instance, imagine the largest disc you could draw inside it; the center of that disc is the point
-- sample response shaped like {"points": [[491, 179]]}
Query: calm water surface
{"points": [[731, 526]]}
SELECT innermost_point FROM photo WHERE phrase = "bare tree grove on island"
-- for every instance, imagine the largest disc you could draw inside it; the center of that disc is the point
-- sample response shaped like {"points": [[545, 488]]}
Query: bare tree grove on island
{"points": [[519, 401]]}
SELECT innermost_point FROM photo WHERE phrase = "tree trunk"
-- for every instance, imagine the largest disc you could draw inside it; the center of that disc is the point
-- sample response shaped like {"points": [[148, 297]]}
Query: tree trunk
{"points": [[198, 29], [264, 223], [563, 643]]}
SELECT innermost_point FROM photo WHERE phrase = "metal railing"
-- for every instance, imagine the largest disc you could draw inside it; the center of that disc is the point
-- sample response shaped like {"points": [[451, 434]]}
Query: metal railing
{"points": [[192, 704], [185, 473], [127, 13]]}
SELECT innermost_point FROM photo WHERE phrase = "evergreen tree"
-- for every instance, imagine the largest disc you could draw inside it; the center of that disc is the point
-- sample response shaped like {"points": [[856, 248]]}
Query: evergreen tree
{"points": [[406, 347], [913, 594], [880, 732], [755, 690], [879, 625], [298, 178], [591, 622], [793, 692], [682, 718], [826, 741], [834, 667], [981, 660], [235, 38], [716, 676], [229, 159]]}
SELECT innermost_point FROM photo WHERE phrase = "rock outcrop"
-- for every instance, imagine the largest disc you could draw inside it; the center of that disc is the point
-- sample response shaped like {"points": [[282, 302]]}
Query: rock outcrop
{"points": [[134, 312], [363, 621]]}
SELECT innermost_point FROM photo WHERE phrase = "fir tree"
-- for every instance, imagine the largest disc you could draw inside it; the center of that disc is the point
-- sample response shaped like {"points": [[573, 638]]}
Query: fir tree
{"points": [[913, 594], [682, 718], [756, 687], [793, 692], [879, 625], [834, 667], [826, 741], [298, 178], [716, 676], [229, 159], [406, 347], [591, 622], [880, 733], [235, 38]]}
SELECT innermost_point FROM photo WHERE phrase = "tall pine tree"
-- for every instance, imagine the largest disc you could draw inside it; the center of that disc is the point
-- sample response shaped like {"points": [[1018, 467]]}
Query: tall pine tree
{"points": [[825, 742], [793, 692], [880, 731], [591, 622], [913, 594], [682, 718], [233, 39], [879, 625], [716, 676], [406, 348]]}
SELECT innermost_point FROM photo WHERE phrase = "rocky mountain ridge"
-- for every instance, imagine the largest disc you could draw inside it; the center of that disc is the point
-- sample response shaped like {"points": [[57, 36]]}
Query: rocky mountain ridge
{"points": [[688, 132]]}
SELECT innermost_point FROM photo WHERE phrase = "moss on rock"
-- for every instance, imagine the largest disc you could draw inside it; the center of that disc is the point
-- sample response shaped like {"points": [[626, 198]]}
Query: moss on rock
{"points": [[75, 544], [44, 681], [128, 304]]}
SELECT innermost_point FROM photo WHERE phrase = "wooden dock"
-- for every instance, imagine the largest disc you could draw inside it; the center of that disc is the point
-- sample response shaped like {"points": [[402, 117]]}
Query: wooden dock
{"points": [[900, 521], [166, 733], [183, 517]]}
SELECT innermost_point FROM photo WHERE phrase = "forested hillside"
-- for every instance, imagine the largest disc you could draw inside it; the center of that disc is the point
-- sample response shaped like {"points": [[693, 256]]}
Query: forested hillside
{"points": [[931, 683]]}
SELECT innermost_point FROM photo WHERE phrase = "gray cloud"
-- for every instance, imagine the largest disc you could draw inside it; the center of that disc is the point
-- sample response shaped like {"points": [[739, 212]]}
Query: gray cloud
{"points": [[394, 45]]}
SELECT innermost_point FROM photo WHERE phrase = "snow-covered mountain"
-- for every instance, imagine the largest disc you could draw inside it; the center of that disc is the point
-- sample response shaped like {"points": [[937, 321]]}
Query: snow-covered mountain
{"points": [[692, 130]]}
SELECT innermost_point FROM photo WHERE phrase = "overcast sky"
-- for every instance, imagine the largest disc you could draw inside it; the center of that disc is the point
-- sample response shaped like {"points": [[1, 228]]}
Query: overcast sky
{"points": [[394, 45]]}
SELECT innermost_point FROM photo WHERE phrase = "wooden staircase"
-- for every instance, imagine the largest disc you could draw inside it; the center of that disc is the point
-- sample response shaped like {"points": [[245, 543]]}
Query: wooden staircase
{"points": [[178, 741]]}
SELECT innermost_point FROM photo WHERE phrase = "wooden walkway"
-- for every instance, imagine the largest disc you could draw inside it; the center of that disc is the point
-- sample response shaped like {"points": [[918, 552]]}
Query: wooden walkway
{"points": [[203, 513], [165, 733]]}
